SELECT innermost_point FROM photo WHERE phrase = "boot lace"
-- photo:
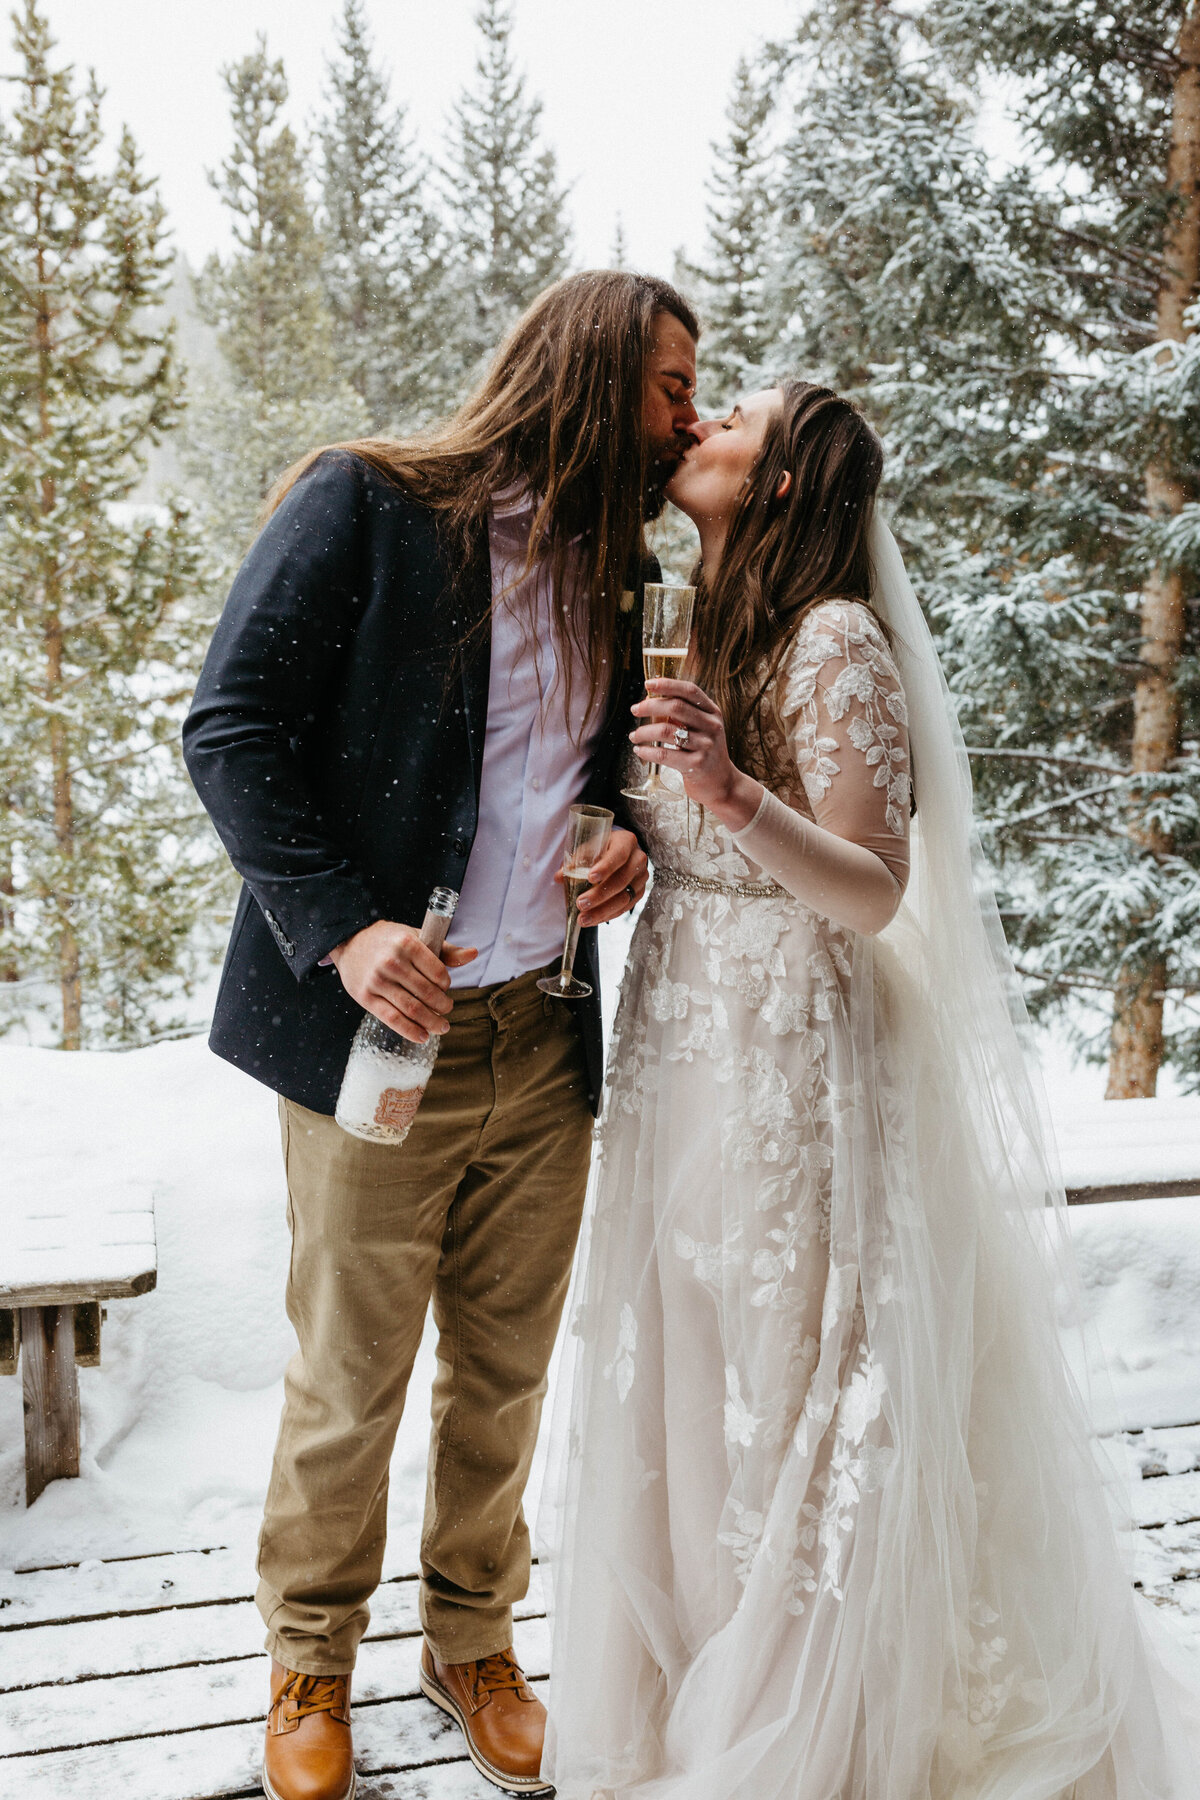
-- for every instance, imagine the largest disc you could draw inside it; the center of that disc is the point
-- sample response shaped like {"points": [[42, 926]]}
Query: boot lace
{"points": [[306, 1694], [495, 1673]]}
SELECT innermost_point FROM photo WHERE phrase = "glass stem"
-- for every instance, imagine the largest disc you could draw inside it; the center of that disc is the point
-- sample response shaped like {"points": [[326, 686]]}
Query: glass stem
{"points": [[570, 946]]}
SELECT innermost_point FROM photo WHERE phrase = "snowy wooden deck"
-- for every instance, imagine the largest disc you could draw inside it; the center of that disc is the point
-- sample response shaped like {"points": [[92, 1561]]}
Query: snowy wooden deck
{"points": [[144, 1677]]}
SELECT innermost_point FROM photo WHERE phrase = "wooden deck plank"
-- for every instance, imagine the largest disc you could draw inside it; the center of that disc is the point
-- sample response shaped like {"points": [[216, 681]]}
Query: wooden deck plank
{"points": [[392, 1738], [1183, 1597], [172, 1636], [1171, 1451], [157, 1691], [164, 1640], [1166, 1556], [1171, 1500], [447, 1781], [149, 1705], [95, 1589]]}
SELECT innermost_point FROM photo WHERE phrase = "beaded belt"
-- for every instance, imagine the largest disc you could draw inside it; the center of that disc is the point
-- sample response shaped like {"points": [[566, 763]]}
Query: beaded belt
{"points": [[703, 884]]}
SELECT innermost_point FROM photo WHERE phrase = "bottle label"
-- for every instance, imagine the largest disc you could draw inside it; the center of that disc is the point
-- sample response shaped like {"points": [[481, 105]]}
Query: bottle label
{"points": [[397, 1107]]}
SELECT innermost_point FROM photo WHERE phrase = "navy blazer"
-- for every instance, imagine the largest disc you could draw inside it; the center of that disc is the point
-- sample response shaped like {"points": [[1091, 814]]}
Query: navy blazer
{"points": [[336, 739]]}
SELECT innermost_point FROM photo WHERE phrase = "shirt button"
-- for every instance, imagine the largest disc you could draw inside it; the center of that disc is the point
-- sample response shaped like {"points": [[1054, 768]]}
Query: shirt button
{"points": [[536, 784], [508, 937], [524, 862]]}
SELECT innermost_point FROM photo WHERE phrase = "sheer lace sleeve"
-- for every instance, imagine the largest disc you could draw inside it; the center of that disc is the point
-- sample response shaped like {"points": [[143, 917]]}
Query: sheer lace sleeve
{"points": [[842, 707]]}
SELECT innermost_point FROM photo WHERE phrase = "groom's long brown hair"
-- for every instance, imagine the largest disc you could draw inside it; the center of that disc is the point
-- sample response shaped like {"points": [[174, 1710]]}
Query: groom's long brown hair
{"points": [[783, 555], [559, 411]]}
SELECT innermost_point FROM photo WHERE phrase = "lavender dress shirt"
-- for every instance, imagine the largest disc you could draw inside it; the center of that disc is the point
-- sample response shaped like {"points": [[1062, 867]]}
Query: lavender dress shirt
{"points": [[535, 758]]}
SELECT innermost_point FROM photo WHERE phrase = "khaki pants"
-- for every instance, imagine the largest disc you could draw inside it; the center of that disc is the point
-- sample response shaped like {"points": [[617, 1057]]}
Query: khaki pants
{"points": [[479, 1211]]}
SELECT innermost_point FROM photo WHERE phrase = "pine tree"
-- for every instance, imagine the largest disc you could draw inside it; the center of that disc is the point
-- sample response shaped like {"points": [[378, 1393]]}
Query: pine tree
{"points": [[1112, 104], [102, 844], [384, 270], [898, 278], [285, 392], [1003, 332], [506, 205], [735, 280], [618, 257]]}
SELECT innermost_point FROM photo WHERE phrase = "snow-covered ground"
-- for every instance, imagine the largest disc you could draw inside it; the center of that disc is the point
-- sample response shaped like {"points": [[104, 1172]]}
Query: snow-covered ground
{"points": [[179, 1420], [178, 1423]]}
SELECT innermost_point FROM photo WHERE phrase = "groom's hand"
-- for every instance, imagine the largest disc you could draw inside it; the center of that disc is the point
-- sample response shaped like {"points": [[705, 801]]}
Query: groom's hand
{"points": [[391, 973], [619, 878]]}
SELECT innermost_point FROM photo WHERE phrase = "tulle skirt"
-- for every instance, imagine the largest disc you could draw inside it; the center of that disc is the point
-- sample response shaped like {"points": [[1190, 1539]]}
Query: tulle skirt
{"points": [[824, 1519]]}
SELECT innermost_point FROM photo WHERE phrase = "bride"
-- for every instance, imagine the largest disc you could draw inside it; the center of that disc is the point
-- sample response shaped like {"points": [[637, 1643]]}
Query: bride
{"points": [[826, 1522]]}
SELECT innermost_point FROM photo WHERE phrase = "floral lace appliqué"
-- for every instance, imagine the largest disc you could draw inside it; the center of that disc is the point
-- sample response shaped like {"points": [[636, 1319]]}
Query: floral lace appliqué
{"points": [[867, 682]]}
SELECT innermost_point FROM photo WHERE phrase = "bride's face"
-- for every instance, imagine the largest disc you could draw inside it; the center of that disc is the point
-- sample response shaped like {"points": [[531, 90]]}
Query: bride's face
{"points": [[708, 482]]}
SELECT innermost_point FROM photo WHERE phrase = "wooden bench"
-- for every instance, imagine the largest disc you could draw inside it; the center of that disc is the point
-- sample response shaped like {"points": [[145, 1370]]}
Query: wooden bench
{"points": [[58, 1262], [1129, 1149]]}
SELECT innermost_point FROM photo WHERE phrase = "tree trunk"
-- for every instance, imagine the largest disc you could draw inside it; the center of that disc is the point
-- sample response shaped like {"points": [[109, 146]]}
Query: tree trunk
{"points": [[1136, 1039], [1136, 1042], [9, 970], [69, 979]]}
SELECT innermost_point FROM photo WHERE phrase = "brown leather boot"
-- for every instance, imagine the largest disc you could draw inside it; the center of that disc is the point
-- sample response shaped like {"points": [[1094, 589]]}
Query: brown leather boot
{"points": [[308, 1755], [502, 1719]]}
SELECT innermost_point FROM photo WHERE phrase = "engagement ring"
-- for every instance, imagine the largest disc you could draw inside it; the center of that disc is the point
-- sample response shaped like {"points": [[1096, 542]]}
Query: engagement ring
{"points": [[681, 737]]}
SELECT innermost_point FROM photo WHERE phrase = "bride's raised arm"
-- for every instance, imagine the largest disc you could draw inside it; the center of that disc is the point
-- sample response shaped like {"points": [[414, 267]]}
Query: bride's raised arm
{"points": [[842, 706]]}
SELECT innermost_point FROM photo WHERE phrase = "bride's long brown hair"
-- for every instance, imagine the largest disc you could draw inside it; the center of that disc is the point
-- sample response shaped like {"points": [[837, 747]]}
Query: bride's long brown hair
{"points": [[783, 555], [559, 411]]}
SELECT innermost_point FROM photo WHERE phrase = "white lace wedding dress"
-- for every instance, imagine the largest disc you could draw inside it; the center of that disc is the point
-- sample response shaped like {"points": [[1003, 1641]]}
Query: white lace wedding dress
{"points": [[826, 1522]]}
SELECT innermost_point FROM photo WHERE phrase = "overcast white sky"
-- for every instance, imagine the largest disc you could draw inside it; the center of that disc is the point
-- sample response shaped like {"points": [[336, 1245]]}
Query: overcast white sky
{"points": [[634, 91]]}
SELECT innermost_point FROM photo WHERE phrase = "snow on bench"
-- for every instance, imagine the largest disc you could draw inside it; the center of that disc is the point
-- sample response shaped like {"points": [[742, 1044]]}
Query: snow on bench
{"points": [[59, 1258], [1129, 1149]]}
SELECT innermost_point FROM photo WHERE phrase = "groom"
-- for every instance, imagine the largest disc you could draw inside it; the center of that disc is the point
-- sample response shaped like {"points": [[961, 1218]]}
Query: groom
{"points": [[426, 657]]}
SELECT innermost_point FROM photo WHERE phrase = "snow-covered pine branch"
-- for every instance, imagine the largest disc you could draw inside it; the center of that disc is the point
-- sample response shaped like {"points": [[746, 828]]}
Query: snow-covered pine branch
{"points": [[1023, 338]]}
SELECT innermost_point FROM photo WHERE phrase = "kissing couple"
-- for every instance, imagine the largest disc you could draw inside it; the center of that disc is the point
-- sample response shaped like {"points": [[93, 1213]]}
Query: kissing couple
{"points": [[822, 1520]]}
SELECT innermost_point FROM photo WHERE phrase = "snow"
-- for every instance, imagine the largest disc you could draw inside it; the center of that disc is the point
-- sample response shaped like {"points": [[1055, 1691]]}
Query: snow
{"points": [[179, 1420], [1139, 1261], [178, 1423], [1101, 1144], [102, 1240]]}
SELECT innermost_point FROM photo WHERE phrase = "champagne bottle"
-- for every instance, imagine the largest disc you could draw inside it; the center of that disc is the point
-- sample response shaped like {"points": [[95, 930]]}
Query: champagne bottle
{"points": [[385, 1074]]}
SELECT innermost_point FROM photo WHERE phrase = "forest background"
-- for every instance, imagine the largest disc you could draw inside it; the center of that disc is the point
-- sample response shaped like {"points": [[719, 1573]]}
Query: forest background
{"points": [[1021, 327]]}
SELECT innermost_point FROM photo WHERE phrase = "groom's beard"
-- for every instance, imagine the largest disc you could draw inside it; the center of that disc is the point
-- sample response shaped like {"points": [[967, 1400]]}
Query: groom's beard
{"points": [[662, 468]]}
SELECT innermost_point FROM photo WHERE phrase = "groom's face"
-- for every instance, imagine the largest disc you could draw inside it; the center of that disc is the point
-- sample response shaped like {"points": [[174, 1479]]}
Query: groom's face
{"points": [[668, 407]]}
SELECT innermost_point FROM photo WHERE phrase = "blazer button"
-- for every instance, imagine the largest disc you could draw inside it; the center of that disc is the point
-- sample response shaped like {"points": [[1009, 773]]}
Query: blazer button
{"points": [[459, 846]]}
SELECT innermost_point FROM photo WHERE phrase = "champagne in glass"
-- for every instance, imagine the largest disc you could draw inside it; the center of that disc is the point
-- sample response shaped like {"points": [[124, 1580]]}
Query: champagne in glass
{"points": [[588, 829], [666, 628]]}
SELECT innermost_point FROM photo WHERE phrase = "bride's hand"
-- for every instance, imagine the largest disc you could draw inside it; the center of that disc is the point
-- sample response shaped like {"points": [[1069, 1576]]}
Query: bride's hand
{"points": [[710, 777]]}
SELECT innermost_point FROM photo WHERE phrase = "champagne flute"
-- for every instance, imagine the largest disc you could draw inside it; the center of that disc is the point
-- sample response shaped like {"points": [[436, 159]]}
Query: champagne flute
{"points": [[588, 829], [666, 627]]}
